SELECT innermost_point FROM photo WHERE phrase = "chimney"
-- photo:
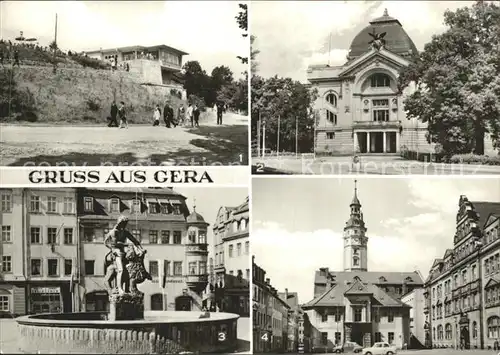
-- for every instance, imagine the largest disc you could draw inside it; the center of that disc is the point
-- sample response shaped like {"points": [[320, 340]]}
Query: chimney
{"points": [[268, 281], [328, 281], [286, 295]]}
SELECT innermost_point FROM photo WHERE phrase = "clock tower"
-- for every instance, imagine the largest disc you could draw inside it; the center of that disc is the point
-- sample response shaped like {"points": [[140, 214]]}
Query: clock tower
{"points": [[355, 240]]}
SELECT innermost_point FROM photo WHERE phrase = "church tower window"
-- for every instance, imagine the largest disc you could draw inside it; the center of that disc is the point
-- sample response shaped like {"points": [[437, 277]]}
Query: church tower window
{"points": [[355, 261], [331, 99]]}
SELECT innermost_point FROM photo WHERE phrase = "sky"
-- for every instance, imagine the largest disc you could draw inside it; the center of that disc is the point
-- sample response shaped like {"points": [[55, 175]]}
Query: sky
{"points": [[209, 200], [299, 36], [410, 222], [206, 30]]}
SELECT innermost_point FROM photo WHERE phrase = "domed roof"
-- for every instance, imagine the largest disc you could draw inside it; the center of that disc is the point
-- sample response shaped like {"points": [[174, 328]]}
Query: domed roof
{"points": [[195, 217], [396, 38]]}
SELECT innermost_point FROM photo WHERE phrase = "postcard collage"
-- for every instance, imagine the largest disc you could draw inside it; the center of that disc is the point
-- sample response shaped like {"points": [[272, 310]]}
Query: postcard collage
{"points": [[190, 177]]}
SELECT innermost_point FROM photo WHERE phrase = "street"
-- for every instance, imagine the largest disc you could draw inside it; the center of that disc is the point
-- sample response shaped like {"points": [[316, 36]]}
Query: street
{"points": [[381, 165], [80, 145]]}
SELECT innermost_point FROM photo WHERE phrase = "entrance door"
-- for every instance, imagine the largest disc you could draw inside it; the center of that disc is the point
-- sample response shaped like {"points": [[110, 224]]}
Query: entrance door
{"points": [[357, 335], [465, 337], [183, 303], [391, 136], [361, 136], [377, 142]]}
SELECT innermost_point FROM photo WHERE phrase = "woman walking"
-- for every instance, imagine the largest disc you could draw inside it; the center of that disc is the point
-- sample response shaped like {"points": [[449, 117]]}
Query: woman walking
{"points": [[122, 115], [156, 116], [196, 115]]}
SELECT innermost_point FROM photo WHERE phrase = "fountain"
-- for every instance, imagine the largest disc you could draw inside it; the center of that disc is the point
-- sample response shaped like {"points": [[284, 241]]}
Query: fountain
{"points": [[127, 328]]}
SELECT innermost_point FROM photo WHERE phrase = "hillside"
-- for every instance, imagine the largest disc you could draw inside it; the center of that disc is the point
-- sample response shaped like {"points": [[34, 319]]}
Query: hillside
{"points": [[76, 95]]}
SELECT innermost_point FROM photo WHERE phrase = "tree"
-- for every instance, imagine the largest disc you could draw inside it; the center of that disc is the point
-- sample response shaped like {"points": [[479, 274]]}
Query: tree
{"points": [[242, 21], [457, 79], [291, 102], [221, 76]]}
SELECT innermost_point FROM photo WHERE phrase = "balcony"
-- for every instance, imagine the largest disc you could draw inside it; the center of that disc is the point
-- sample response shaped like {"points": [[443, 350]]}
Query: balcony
{"points": [[374, 125], [197, 282], [197, 248]]}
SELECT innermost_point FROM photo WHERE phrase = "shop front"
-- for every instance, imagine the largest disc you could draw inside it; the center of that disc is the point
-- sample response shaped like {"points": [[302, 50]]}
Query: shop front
{"points": [[47, 299]]}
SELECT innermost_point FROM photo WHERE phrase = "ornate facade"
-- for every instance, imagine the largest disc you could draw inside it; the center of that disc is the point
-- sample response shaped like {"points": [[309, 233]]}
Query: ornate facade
{"points": [[463, 287], [356, 304], [360, 105]]}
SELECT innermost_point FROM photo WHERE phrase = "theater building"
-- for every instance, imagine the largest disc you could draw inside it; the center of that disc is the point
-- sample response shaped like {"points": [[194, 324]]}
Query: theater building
{"points": [[356, 304], [39, 251], [463, 287], [359, 104], [175, 240], [232, 253]]}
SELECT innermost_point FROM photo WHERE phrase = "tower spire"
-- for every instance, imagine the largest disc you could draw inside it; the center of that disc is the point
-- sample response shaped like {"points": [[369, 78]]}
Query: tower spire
{"points": [[355, 200], [386, 13]]}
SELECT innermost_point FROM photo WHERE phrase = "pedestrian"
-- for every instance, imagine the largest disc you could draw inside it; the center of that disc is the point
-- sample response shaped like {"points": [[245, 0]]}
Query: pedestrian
{"points": [[220, 109], [168, 114], [16, 57], [122, 114], [190, 114], [196, 115], [114, 112], [156, 116], [127, 67], [180, 115]]}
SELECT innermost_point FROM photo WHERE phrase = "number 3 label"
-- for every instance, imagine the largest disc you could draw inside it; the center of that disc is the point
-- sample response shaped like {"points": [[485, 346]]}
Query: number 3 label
{"points": [[222, 336], [265, 337]]}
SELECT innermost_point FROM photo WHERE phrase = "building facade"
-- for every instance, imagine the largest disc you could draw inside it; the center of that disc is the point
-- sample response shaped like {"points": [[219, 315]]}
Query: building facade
{"points": [[232, 259], [360, 108], [463, 299], [270, 314], [175, 240], [294, 317], [159, 65], [53, 252], [416, 300], [39, 250], [356, 304]]}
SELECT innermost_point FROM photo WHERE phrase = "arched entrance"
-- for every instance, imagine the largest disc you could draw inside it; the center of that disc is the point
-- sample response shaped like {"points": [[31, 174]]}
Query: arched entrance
{"points": [[157, 302], [465, 338], [183, 303], [97, 301]]}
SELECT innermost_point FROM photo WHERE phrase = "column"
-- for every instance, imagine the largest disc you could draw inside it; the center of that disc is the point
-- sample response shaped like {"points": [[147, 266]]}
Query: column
{"points": [[368, 147], [384, 142], [397, 142]]}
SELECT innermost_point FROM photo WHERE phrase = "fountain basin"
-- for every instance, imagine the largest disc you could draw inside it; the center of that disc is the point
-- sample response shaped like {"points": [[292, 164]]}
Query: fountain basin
{"points": [[160, 332]]}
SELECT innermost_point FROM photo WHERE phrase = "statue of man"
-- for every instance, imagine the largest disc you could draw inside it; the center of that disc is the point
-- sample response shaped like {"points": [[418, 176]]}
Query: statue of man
{"points": [[116, 240]]}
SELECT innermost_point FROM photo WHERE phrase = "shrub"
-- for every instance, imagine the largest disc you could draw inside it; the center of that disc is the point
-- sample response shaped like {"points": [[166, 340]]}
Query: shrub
{"points": [[475, 159], [93, 104]]}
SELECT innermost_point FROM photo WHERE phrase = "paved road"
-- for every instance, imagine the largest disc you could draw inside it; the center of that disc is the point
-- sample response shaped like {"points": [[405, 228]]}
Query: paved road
{"points": [[368, 165], [51, 145], [443, 352]]}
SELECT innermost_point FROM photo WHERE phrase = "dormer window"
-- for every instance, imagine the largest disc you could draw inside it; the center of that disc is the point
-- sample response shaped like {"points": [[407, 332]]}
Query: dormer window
{"points": [[409, 279], [382, 279], [115, 205], [88, 204], [136, 206]]}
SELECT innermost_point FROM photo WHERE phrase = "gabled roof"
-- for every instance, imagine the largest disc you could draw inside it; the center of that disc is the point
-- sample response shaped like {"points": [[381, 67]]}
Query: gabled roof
{"points": [[357, 288], [447, 253], [491, 218], [491, 282], [382, 54], [374, 277], [335, 296], [484, 210]]}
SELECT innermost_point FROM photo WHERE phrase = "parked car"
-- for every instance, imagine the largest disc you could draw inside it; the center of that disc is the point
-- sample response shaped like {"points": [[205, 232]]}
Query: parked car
{"points": [[380, 348], [348, 347]]}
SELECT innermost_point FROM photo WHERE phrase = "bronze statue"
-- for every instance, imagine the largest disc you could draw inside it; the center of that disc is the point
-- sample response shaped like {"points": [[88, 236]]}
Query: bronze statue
{"points": [[378, 40], [124, 262]]}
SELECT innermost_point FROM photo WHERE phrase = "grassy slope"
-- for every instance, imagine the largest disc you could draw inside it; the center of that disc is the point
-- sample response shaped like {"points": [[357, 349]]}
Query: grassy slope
{"points": [[65, 96]]}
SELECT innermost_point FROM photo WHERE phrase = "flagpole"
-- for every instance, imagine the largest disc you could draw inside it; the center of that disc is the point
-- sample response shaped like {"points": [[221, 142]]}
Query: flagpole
{"points": [[329, 47]]}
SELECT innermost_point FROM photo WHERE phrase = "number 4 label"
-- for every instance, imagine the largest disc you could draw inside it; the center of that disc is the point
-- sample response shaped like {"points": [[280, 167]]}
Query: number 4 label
{"points": [[265, 337]]}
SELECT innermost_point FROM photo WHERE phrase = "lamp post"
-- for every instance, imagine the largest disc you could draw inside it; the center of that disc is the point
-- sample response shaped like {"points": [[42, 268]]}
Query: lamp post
{"points": [[296, 136]]}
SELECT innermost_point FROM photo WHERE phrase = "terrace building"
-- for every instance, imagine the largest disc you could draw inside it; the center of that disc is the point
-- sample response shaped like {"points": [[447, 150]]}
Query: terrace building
{"points": [[157, 65], [463, 287]]}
